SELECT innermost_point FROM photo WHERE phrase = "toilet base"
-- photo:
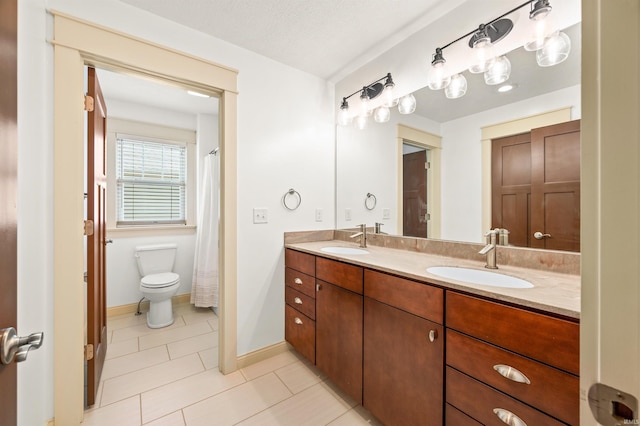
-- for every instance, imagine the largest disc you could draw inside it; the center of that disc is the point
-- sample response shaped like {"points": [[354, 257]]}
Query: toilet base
{"points": [[160, 314]]}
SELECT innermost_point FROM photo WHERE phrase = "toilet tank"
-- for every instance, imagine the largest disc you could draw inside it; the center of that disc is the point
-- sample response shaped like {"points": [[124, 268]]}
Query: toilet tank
{"points": [[155, 259]]}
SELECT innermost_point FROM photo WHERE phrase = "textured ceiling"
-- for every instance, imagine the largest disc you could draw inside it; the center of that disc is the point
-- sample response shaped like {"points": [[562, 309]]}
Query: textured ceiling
{"points": [[321, 37]]}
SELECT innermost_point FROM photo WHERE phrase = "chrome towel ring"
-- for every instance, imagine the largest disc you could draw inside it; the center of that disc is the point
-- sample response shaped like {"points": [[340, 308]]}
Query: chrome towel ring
{"points": [[371, 201], [291, 194]]}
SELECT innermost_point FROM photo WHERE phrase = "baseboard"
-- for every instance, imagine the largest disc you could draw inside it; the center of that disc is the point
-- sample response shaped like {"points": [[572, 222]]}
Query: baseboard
{"points": [[144, 306], [262, 354]]}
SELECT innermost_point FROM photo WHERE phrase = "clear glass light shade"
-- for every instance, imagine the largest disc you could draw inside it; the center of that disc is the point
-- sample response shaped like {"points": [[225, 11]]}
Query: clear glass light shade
{"points": [[555, 50], [361, 122], [499, 72], [457, 87], [407, 104], [538, 35], [485, 57], [365, 109], [344, 119], [390, 99], [438, 78], [381, 114]]}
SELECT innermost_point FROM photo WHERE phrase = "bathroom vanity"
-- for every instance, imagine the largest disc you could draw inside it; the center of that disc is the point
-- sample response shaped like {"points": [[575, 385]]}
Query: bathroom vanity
{"points": [[415, 348]]}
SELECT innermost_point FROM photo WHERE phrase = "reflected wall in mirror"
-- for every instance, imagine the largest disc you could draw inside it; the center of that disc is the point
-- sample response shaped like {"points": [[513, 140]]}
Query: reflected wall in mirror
{"points": [[370, 160]]}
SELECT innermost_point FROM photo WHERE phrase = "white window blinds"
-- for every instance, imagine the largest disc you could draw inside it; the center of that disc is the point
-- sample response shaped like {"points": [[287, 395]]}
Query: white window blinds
{"points": [[151, 182]]}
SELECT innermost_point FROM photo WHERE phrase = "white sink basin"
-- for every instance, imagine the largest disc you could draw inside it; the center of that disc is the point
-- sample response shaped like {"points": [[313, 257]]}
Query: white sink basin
{"points": [[344, 250], [478, 276]]}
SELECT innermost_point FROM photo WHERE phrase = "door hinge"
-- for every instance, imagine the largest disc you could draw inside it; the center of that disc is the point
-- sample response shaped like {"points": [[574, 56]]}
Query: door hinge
{"points": [[88, 352], [427, 165], [427, 216], [88, 103], [88, 227]]}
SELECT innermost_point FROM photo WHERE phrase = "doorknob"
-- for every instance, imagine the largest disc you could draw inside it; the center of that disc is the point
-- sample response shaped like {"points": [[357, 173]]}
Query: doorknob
{"points": [[109, 241], [12, 346], [539, 235]]}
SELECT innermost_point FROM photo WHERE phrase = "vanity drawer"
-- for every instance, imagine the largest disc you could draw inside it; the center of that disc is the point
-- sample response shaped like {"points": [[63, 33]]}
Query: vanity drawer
{"points": [[341, 274], [419, 299], [551, 390], [300, 261], [455, 417], [301, 282], [553, 341], [479, 401], [300, 331], [300, 302]]}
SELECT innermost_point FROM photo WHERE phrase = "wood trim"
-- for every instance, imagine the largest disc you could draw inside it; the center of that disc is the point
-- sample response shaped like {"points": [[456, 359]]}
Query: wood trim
{"points": [[262, 354], [130, 308]]}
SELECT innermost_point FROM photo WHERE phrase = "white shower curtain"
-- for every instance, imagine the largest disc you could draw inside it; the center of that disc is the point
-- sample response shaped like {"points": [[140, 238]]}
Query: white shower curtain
{"points": [[204, 288]]}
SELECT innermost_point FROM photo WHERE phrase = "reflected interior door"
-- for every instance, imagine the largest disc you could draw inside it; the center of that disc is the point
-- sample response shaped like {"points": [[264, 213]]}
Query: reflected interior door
{"points": [[96, 242], [8, 199], [414, 194]]}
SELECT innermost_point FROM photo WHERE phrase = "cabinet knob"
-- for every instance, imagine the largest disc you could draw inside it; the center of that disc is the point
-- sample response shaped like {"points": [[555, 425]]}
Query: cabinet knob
{"points": [[297, 281], [508, 417], [433, 335], [297, 301], [511, 373], [298, 321]]}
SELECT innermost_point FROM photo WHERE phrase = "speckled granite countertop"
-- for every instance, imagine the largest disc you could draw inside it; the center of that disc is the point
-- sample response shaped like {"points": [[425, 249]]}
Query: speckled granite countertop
{"points": [[553, 292]]}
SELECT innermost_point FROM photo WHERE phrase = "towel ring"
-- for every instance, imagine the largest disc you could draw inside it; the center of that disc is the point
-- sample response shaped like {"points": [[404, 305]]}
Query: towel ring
{"points": [[297, 196], [371, 201]]}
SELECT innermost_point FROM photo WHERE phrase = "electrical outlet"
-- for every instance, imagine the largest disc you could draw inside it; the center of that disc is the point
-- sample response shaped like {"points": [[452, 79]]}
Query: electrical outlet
{"points": [[386, 213], [260, 215], [318, 215], [347, 214]]}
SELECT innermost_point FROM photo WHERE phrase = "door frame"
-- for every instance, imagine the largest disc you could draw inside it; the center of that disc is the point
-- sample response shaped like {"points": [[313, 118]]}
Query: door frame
{"points": [[78, 43]]}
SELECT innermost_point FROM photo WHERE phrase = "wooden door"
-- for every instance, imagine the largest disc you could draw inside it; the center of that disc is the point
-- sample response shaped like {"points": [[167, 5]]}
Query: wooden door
{"points": [[555, 186], [511, 186], [339, 337], [8, 199], [403, 379], [96, 242], [414, 194]]}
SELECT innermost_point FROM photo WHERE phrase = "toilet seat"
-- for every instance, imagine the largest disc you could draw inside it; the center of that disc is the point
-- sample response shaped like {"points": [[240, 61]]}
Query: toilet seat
{"points": [[164, 279]]}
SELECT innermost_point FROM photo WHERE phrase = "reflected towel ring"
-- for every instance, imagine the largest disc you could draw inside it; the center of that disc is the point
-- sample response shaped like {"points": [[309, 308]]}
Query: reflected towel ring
{"points": [[298, 198], [371, 201]]}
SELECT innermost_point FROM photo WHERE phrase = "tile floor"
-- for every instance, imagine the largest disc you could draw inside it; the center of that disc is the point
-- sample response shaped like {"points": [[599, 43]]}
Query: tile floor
{"points": [[169, 376]]}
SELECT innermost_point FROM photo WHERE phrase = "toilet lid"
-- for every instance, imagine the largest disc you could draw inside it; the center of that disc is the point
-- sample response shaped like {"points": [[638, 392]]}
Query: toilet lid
{"points": [[164, 279]]}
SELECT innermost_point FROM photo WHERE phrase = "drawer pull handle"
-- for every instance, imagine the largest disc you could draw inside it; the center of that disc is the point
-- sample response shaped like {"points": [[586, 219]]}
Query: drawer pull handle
{"points": [[508, 417], [433, 335], [297, 281], [298, 321], [297, 301], [511, 373]]}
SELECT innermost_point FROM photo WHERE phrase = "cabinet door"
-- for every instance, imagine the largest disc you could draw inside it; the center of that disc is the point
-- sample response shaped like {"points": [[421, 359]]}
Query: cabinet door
{"points": [[339, 337], [403, 380]]}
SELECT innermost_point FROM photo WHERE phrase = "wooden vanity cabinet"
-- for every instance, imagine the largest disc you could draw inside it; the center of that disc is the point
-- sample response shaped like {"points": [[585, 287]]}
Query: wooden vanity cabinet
{"points": [[403, 350], [508, 358], [300, 293], [339, 324]]}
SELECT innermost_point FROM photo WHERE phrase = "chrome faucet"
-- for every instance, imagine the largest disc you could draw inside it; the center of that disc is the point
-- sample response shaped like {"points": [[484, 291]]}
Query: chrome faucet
{"points": [[362, 234], [490, 248], [377, 227]]}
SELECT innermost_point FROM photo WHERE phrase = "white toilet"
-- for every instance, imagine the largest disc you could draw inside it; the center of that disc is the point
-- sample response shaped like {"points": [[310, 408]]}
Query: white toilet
{"points": [[158, 284]]}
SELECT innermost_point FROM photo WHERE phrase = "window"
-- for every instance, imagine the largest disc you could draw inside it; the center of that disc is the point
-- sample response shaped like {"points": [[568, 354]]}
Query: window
{"points": [[151, 182]]}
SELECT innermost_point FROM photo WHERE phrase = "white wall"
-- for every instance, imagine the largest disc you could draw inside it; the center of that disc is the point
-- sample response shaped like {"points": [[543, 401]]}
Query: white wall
{"points": [[284, 140], [462, 165]]}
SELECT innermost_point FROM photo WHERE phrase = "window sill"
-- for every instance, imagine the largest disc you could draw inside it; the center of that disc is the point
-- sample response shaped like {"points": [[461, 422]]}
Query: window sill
{"points": [[141, 231]]}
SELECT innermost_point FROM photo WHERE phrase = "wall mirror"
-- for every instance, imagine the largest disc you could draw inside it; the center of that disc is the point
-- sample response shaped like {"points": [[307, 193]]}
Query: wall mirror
{"points": [[370, 160]]}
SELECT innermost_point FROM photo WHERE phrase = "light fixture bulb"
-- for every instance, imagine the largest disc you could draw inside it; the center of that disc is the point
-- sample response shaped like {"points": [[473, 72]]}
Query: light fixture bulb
{"points": [[499, 72], [541, 25], [483, 49], [364, 102], [438, 78], [555, 50], [407, 104], [361, 122], [344, 118], [390, 99], [382, 114], [457, 87]]}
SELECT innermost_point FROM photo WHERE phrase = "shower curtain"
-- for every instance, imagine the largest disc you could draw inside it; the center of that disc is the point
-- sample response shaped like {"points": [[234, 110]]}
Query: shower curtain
{"points": [[204, 287]]}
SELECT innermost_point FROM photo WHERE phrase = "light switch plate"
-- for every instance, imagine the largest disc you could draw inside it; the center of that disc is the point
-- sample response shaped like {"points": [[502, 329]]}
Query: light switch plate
{"points": [[318, 215], [260, 215], [386, 213], [347, 214]]}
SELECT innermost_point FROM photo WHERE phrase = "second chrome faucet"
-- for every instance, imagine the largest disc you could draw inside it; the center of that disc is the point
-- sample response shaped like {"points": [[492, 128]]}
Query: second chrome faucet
{"points": [[490, 249], [362, 234]]}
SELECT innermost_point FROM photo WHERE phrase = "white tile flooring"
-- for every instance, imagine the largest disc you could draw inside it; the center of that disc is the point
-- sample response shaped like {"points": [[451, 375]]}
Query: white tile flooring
{"points": [[170, 376]]}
